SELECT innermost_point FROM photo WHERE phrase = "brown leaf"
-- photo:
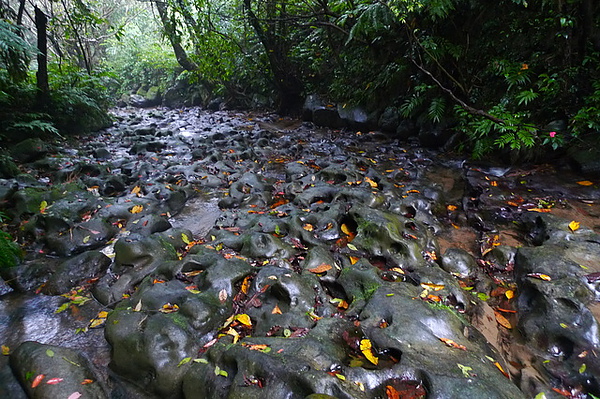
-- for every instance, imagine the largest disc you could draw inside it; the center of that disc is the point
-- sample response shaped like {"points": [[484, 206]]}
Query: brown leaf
{"points": [[503, 321], [322, 268]]}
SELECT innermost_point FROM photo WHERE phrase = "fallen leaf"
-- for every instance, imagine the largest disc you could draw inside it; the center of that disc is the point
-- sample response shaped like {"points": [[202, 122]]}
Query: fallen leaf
{"points": [[184, 361], [169, 308], [465, 370], [138, 307], [185, 238], [54, 381], [322, 268], [540, 210], [372, 183], [37, 380], [49, 353], [352, 247], [540, 276], [367, 349], [222, 295], [501, 369], [503, 321], [137, 209], [573, 226], [244, 319], [246, 284], [86, 239], [450, 343], [87, 381], [391, 392], [5, 350], [431, 286], [308, 227], [136, 190], [354, 259], [451, 208], [509, 294], [276, 310], [585, 183], [74, 395]]}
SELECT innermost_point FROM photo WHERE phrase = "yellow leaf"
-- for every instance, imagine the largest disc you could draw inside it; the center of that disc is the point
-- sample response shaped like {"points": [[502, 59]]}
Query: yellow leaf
{"points": [[585, 183], [574, 226], [276, 310], [43, 206], [367, 349], [431, 286], [5, 350], [308, 227], [137, 209], [322, 268], [503, 321], [354, 259], [346, 230], [168, 308], [371, 182], [244, 319], [509, 294], [352, 247], [136, 190], [86, 239]]}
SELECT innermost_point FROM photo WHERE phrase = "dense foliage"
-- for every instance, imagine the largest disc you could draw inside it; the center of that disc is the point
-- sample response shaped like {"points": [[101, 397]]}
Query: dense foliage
{"points": [[508, 74]]}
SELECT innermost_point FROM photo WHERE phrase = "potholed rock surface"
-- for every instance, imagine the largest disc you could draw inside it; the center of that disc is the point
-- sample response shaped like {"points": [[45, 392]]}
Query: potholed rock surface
{"points": [[188, 254]]}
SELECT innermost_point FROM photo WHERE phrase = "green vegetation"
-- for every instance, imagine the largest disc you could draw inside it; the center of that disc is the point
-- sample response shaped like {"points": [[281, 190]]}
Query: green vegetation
{"points": [[517, 76]]}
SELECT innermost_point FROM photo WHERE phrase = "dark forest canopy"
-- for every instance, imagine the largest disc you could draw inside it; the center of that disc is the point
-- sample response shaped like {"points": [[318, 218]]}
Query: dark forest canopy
{"points": [[508, 73]]}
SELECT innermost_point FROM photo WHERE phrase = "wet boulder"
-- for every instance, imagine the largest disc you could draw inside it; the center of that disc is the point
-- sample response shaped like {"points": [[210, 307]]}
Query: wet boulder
{"points": [[60, 372], [30, 150], [459, 262], [77, 271]]}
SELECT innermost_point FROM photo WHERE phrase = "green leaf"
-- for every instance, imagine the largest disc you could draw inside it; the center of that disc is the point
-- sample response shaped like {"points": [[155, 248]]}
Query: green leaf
{"points": [[49, 353], [201, 360], [184, 361], [465, 370], [582, 368], [62, 307], [540, 395], [352, 247], [185, 238]]}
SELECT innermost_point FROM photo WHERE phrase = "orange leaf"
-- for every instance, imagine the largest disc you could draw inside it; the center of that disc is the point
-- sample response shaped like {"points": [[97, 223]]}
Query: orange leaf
{"points": [[354, 259], [451, 208], [391, 392], [86, 381], [276, 310], [308, 227], [322, 268], [37, 380], [503, 321], [585, 183], [540, 276], [450, 343], [501, 369], [246, 285], [540, 210]]}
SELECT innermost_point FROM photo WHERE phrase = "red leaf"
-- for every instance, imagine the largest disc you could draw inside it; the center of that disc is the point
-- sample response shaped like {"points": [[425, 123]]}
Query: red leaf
{"points": [[37, 380], [54, 381]]}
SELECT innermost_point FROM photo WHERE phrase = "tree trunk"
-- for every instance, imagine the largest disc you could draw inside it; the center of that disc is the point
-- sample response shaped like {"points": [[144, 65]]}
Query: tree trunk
{"points": [[289, 86], [180, 54], [43, 88]]}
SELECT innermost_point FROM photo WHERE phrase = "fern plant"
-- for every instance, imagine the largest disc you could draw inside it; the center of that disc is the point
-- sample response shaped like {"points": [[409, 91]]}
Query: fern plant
{"points": [[10, 252]]}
